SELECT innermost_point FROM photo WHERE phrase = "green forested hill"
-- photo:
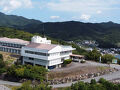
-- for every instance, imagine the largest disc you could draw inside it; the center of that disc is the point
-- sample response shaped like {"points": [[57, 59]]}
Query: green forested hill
{"points": [[107, 33], [13, 33], [13, 20]]}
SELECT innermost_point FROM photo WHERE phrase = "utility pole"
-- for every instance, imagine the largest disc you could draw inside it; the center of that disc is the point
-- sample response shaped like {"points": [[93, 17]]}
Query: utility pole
{"points": [[100, 59]]}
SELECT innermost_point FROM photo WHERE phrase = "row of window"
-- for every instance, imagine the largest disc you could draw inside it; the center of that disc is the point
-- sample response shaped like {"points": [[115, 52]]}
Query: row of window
{"points": [[11, 45], [10, 50], [37, 53], [39, 60], [46, 54], [65, 52]]}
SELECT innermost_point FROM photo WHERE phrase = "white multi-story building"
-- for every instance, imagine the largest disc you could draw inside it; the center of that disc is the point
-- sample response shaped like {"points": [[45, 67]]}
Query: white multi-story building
{"points": [[39, 51], [44, 53], [12, 45]]}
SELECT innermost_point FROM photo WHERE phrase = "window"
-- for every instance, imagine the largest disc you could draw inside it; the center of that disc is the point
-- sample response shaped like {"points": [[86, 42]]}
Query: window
{"points": [[36, 53], [64, 52], [31, 58]]}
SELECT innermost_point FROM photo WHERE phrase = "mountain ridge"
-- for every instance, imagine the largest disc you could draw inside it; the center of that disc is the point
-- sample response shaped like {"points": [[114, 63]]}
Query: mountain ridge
{"points": [[14, 20], [106, 33]]}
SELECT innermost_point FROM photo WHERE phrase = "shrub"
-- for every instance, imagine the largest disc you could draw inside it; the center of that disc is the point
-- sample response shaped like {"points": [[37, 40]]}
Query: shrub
{"points": [[107, 58], [68, 61], [102, 80], [28, 86], [27, 71], [83, 61], [93, 81]]}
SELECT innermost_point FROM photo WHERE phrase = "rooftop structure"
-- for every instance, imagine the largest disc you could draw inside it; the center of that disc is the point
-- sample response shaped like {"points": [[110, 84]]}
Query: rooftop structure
{"points": [[77, 58], [38, 39]]}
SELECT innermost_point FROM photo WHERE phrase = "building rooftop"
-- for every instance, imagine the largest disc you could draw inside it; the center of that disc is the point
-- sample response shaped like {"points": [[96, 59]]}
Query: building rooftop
{"points": [[14, 40], [41, 46]]}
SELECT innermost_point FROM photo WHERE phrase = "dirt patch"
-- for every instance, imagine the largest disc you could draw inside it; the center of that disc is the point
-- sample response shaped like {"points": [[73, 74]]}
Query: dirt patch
{"points": [[8, 57], [75, 70]]}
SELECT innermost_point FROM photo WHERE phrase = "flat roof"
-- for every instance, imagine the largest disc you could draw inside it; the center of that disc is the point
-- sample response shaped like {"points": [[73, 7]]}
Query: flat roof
{"points": [[41, 46], [14, 40]]}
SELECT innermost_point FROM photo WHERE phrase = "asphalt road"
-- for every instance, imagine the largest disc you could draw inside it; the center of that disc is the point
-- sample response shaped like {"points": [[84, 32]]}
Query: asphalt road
{"points": [[2, 82], [110, 76], [107, 77]]}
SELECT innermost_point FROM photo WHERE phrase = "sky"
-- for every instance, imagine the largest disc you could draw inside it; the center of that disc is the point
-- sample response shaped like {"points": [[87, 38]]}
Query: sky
{"points": [[64, 10]]}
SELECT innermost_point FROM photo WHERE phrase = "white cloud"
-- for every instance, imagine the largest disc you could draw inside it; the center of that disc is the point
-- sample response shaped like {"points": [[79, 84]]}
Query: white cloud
{"points": [[83, 6], [10, 5], [99, 12], [85, 17], [54, 17]]}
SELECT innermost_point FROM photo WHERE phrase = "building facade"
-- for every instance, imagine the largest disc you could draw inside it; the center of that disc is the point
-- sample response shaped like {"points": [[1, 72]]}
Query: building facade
{"points": [[12, 45], [39, 51], [48, 55]]}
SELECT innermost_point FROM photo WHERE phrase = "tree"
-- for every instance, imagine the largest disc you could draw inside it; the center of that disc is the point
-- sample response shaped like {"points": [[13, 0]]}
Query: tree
{"points": [[107, 58], [102, 80], [93, 81], [101, 85], [93, 55], [2, 65], [27, 71], [19, 72], [79, 86], [26, 86]]}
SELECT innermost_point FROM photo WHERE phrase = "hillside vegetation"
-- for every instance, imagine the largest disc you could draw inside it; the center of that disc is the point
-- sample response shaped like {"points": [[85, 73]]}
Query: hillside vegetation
{"points": [[13, 20], [13, 33], [107, 34]]}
